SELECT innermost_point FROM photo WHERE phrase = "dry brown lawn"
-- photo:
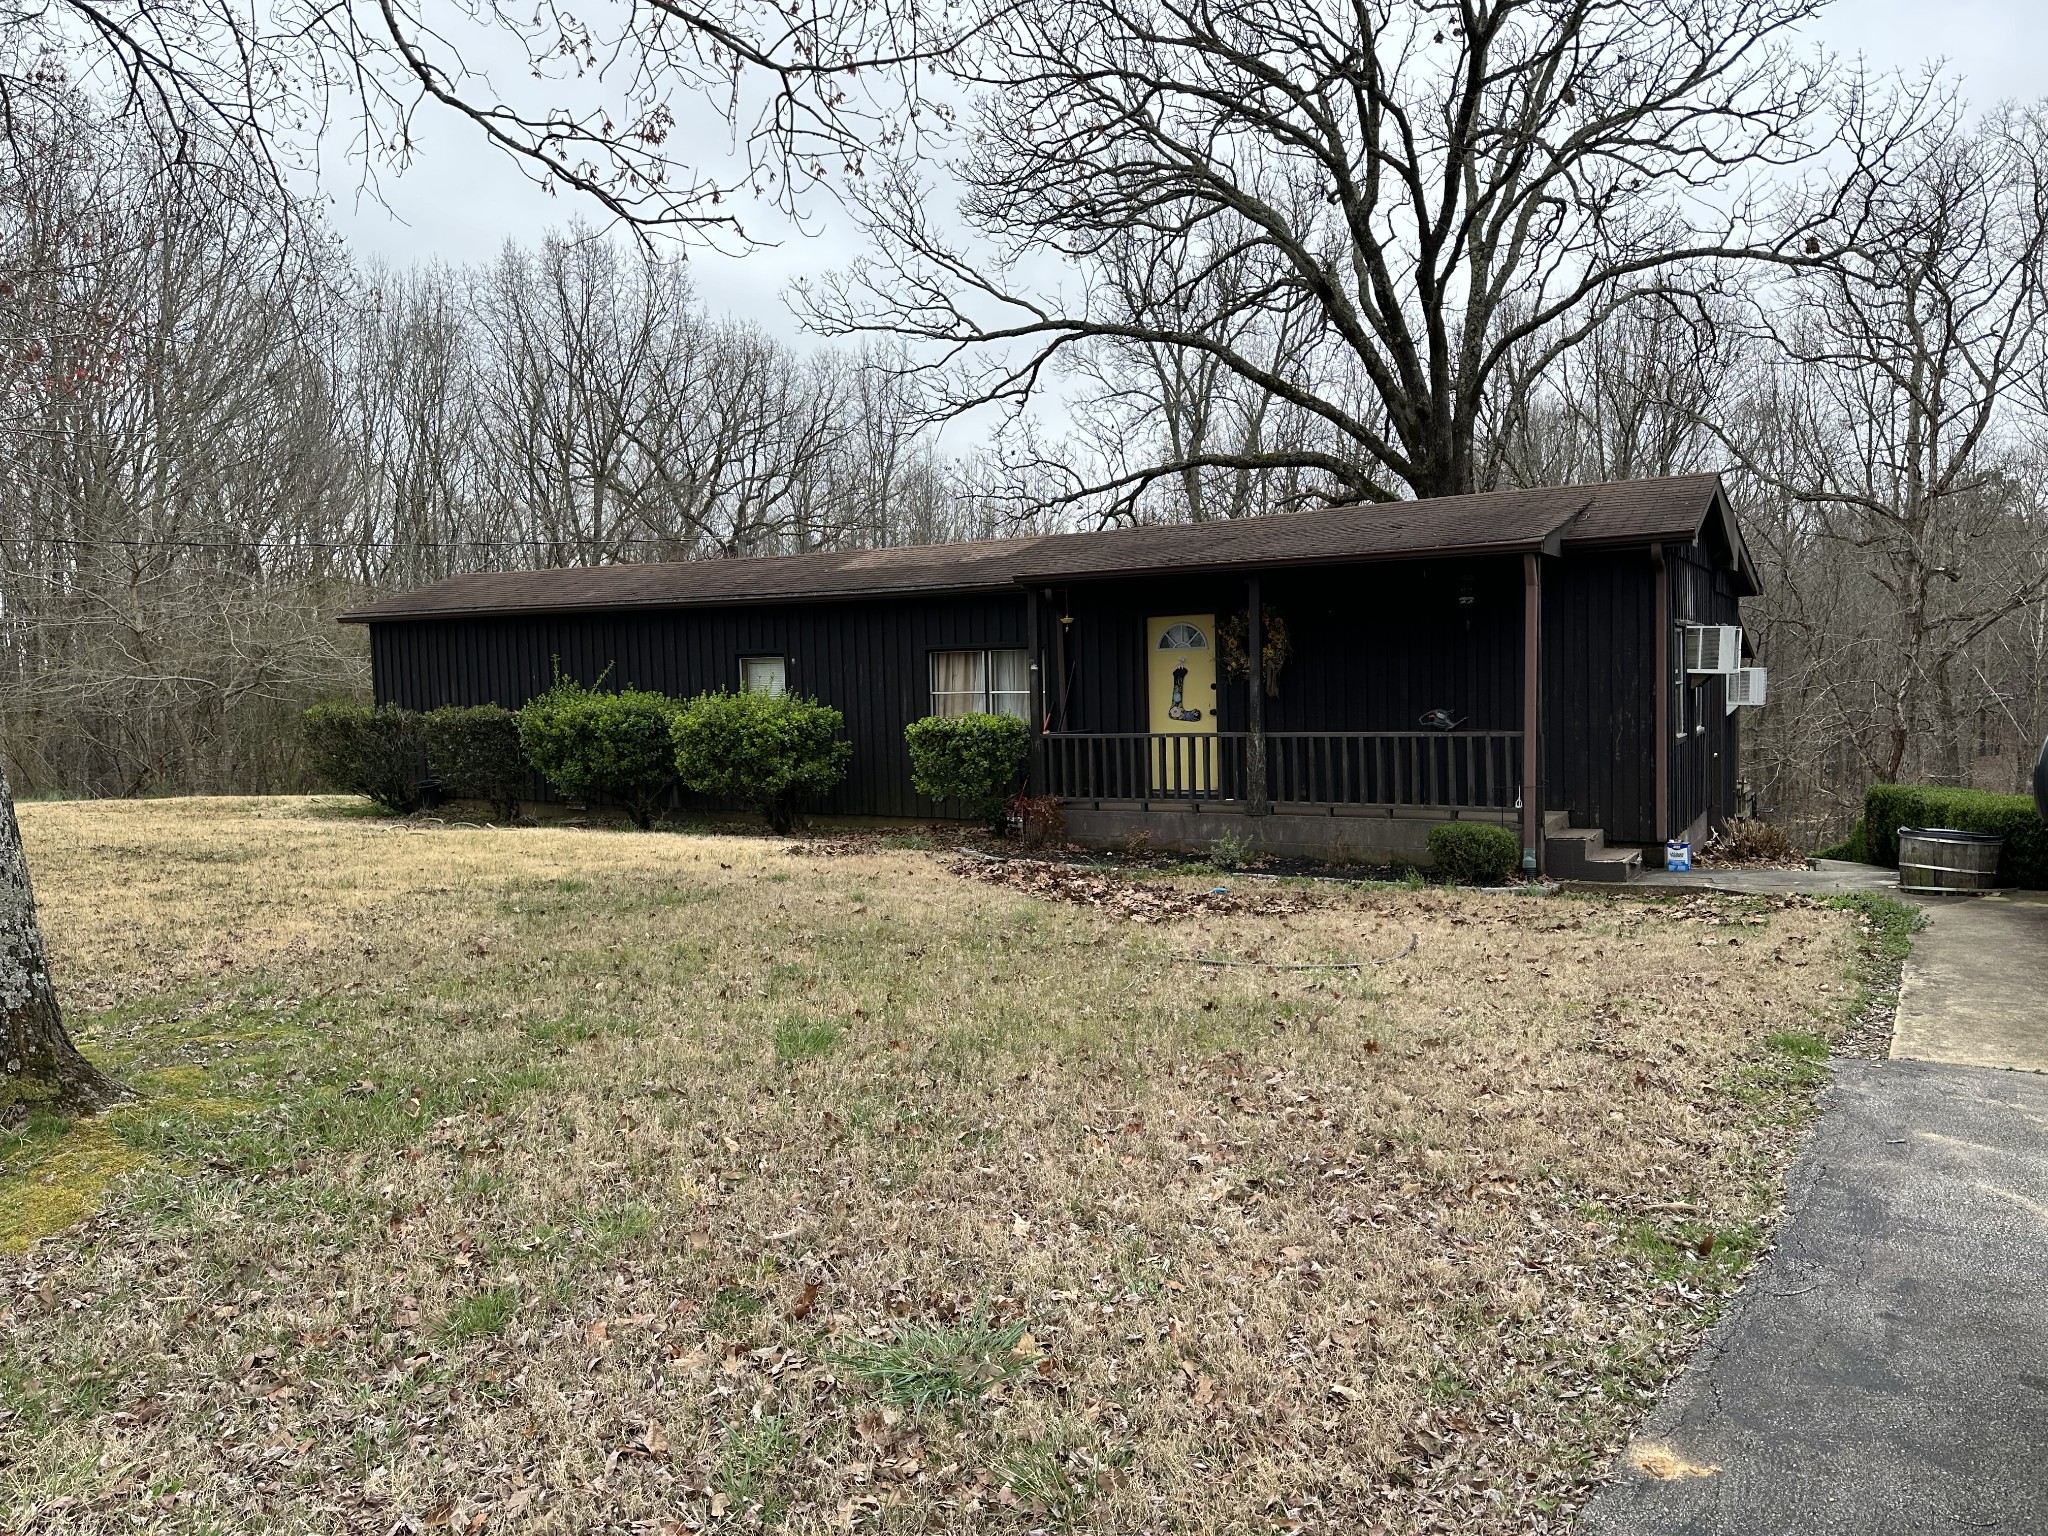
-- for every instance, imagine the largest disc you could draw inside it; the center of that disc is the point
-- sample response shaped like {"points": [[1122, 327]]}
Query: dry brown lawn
{"points": [[563, 1181]]}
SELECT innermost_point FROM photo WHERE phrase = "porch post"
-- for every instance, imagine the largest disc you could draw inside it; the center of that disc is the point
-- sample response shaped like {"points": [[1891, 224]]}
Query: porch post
{"points": [[1255, 713], [1059, 664], [1660, 802], [1033, 646], [1532, 703]]}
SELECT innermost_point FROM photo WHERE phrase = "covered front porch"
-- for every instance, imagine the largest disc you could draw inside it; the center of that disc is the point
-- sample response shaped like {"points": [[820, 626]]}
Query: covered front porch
{"points": [[1385, 697], [1338, 796]]}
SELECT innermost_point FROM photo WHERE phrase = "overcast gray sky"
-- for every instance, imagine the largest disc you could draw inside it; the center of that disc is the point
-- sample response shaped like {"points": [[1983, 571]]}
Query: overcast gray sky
{"points": [[462, 200]]}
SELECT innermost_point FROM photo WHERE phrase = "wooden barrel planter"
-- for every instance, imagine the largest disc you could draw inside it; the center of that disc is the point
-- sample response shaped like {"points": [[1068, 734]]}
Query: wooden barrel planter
{"points": [[1943, 859]]}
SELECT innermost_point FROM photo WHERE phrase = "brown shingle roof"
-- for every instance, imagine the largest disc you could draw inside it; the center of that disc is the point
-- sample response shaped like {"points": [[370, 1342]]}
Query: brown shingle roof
{"points": [[976, 566], [1644, 511], [1496, 522]]}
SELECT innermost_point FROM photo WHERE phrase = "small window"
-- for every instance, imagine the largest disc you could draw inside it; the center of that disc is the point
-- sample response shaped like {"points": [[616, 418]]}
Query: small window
{"points": [[1009, 683], [981, 683], [764, 674], [1182, 637]]}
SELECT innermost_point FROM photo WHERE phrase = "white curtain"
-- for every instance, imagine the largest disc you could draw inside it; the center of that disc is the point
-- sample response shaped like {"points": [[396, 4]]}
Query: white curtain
{"points": [[1010, 683], [959, 684]]}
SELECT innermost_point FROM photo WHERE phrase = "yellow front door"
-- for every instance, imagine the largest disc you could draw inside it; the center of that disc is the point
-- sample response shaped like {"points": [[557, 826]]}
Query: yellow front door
{"points": [[1182, 673]]}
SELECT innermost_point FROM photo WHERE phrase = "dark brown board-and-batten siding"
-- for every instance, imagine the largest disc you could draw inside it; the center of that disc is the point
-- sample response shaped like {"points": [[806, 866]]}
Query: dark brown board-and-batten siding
{"points": [[1704, 766], [867, 659], [1600, 692], [1370, 647]]}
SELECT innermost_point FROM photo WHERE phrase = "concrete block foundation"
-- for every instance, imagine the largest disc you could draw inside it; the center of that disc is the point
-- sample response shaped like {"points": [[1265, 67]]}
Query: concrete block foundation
{"points": [[1345, 834]]}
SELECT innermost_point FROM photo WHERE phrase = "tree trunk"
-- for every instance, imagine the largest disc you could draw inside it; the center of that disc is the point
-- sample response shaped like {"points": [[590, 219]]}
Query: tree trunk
{"points": [[37, 1058]]}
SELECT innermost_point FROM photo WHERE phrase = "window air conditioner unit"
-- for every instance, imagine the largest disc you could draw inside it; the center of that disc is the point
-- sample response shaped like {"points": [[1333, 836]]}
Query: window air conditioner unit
{"points": [[1713, 648], [1747, 687]]}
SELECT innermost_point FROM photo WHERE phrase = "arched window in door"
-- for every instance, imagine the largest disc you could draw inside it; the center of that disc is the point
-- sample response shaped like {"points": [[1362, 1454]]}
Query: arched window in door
{"points": [[1182, 637]]}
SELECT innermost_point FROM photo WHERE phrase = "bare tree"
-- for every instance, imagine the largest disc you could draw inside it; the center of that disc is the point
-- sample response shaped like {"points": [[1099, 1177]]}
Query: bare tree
{"points": [[1894, 391], [1144, 402], [615, 101], [38, 1062], [1422, 191]]}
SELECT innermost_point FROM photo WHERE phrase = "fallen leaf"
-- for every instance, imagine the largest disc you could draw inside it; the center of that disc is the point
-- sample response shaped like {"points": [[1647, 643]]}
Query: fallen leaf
{"points": [[1665, 1464], [801, 1307]]}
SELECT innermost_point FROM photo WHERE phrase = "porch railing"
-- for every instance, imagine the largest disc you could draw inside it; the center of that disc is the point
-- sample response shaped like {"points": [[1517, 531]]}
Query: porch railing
{"points": [[1431, 769]]}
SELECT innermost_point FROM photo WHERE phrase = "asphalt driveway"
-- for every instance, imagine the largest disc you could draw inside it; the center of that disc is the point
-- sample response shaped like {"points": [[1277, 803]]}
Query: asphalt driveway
{"points": [[1885, 1372]]}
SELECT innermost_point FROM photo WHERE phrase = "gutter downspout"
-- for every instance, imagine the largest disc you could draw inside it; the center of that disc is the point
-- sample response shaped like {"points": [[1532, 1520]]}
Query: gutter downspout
{"points": [[1532, 705], [1660, 805]]}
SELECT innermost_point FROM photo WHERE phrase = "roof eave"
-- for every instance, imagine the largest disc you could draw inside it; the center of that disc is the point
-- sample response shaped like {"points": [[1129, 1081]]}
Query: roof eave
{"points": [[1549, 544], [661, 605]]}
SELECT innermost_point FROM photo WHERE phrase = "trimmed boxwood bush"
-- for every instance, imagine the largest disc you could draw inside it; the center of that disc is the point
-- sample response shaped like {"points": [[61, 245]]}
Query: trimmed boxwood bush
{"points": [[2022, 862], [970, 759], [376, 752], [475, 754], [770, 751], [1853, 848], [602, 746], [1474, 852]]}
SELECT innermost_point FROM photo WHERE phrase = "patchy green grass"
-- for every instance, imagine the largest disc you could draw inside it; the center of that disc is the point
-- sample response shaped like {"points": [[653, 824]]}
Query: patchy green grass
{"points": [[801, 1039], [1052, 1486], [487, 1312], [1891, 923], [731, 1309], [754, 1464], [620, 1178], [926, 1365], [1798, 1044]]}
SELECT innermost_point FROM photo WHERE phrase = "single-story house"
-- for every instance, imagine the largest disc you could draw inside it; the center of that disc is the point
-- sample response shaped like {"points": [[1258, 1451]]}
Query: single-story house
{"points": [[1564, 661]]}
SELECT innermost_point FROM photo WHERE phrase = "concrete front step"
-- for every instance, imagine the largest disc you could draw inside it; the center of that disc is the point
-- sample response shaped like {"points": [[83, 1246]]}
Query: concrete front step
{"points": [[1581, 853]]}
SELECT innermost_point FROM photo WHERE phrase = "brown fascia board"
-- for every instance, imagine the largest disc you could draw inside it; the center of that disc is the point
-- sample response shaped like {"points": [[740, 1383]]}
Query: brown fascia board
{"points": [[655, 605], [1550, 544]]}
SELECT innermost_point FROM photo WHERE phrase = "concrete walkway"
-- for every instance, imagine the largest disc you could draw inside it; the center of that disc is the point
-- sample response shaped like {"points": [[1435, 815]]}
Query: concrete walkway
{"points": [[1974, 993], [1885, 1372], [1827, 877]]}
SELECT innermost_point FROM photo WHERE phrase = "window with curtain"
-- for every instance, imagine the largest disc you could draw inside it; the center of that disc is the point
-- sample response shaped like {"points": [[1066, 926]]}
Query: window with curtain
{"points": [[981, 683], [764, 674], [959, 682], [1009, 684]]}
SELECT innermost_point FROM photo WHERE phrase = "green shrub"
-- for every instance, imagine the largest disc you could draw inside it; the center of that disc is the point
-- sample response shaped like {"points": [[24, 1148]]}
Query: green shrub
{"points": [[2022, 862], [970, 759], [1854, 848], [376, 752], [1230, 852], [609, 746], [1474, 852], [475, 754], [770, 751]]}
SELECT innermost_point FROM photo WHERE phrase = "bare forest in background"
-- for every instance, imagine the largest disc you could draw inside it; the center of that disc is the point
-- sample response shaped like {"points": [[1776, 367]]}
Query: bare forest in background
{"points": [[217, 433]]}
